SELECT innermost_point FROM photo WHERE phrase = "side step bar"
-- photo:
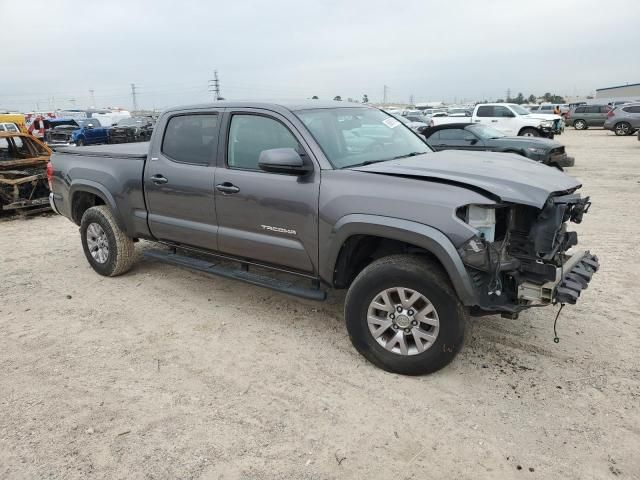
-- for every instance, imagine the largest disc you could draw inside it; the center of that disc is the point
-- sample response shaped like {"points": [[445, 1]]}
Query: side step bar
{"points": [[243, 275]]}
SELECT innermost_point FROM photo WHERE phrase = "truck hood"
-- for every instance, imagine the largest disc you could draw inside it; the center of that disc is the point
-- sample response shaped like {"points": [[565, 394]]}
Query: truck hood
{"points": [[509, 177]]}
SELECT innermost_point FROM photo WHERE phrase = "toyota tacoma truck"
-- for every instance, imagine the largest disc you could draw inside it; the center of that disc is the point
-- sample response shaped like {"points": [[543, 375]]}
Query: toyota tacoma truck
{"points": [[341, 196]]}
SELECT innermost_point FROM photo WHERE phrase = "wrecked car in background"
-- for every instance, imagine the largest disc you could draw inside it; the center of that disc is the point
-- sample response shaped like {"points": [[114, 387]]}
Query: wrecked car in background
{"points": [[134, 129], [23, 172], [62, 132]]}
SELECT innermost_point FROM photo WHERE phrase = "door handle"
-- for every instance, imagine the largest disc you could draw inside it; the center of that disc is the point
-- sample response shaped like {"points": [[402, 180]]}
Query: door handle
{"points": [[494, 121], [476, 121], [227, 187], [159, 179]]}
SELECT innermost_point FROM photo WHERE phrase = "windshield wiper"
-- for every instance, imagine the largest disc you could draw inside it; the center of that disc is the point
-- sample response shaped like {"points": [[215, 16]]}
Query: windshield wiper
{"points": [[412, 154], [367, 162]]}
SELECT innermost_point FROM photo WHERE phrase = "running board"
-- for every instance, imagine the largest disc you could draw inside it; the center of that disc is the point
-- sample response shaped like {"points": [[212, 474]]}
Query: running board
{"points": [[243, 275]]}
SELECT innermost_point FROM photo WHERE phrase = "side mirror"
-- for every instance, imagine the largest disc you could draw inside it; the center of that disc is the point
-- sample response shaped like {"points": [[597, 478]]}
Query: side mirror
{"points": [[472, 141], [283, 160]]}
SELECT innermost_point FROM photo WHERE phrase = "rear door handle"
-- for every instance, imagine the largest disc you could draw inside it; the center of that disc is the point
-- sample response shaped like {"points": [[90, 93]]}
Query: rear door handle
{"points": [[227, 187], [159, 179]]}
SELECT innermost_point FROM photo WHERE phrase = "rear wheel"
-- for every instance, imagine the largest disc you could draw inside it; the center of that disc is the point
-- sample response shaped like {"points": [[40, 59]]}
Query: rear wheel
{"points": [[107, 248], [403, 315], [622, 128], [529, 132], [580, 125]]}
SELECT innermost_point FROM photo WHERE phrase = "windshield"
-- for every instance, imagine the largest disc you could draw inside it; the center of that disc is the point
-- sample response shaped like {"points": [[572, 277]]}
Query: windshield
{"points": [[84, 122], [485, 132], [353, 136], [519, 110]]}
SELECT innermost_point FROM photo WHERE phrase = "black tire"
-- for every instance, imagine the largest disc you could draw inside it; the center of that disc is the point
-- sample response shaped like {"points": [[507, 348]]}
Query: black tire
{"points": [[529, 132], [622, 129], [580, 125], [79, 142], [423, 276], [121, 249]]}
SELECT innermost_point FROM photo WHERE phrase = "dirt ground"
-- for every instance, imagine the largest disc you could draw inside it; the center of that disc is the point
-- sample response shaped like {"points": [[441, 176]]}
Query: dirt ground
{"points": [[166, 373]]}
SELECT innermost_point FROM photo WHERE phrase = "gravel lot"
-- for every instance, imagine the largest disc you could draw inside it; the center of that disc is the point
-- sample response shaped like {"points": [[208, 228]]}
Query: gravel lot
{"points": [[165, 373]]}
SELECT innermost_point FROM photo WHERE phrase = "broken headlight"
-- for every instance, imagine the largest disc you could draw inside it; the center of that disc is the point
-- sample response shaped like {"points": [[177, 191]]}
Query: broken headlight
{"points": [[474, 253]]}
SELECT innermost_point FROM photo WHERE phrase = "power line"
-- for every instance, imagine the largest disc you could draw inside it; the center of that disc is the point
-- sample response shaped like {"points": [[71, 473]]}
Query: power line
{"points": [[133, 96], [214, 86]]}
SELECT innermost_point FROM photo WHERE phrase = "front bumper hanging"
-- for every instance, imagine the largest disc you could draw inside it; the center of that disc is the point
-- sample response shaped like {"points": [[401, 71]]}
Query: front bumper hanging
{"points": [[573, 277]]}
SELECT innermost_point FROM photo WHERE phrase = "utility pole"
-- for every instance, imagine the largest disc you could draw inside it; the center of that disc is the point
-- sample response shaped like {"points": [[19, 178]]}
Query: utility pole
{"points": [[93, 98], [385, 90], [133, 96], [411, 99], [214, 86], [508, 95]]}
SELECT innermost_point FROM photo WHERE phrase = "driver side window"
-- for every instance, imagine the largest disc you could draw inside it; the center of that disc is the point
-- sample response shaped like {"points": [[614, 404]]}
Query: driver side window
{"points": [[249, 135], [500, 111]]}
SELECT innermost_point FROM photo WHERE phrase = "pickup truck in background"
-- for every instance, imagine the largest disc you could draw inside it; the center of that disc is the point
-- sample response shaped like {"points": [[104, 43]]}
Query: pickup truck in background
{"points": [[510, 119], [343, 196], [75, 131]]}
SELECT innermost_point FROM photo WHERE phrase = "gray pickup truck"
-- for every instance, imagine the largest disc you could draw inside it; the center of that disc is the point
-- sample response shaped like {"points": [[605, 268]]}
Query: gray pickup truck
{"points": [[346, 197]]}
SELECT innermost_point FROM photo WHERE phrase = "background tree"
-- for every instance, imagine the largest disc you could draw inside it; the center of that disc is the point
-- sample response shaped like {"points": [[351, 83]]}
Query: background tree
{"points": [[315, 97], [337, 98], [519, 99], [365, 98], [532, 99]]}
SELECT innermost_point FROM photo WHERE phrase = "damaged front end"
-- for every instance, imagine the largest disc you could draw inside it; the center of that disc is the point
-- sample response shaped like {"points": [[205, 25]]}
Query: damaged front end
{"points": [[519, 257]]}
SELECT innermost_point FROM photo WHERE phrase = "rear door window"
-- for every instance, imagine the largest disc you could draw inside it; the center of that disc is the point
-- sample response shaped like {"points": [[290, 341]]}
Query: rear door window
{"points": [[580, 109], [593, 109], [191, 138], [632, 109], [485, 111]]}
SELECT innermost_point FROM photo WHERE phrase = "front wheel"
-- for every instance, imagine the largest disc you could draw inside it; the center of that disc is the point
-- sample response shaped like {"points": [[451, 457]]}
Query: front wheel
{"points": [[79, 142], [109, 251], [529, 132], [580, 125], [403, 315], [622, 128]]}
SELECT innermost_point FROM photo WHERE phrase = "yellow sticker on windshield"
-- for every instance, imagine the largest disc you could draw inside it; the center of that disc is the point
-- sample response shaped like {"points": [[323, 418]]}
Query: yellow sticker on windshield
{"points": [[391, 122]]}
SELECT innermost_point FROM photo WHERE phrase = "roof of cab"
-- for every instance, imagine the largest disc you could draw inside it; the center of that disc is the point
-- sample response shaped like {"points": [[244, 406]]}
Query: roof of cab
{"points": [[291, 105]]}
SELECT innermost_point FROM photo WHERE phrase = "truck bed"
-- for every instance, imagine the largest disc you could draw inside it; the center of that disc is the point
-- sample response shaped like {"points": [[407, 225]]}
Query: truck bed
{"points": [[119, 150]]}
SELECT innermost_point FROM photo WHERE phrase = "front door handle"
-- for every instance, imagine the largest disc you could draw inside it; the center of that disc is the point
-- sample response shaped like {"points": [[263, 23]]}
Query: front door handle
{"points": [[159, 179], [494, 121], [476, 121], [227, 187]]}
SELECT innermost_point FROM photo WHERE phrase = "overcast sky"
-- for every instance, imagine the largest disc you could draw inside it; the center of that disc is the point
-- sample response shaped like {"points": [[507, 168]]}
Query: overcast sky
{"points": [[56, 51]]}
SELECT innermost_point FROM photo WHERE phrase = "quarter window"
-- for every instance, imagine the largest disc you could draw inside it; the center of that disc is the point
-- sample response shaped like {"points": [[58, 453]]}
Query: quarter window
{"points": [[191, 138], [249, 135]]}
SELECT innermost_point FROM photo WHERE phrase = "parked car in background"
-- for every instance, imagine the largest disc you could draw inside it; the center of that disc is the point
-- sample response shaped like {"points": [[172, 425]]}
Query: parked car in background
{"points": [[459, 112], [9, 127], [473, 136], [585, 116], [133, 129], [18, 119], [624, 120], [415, 124], [23, 172], [550, 108], [510, 119], [76, 131]]}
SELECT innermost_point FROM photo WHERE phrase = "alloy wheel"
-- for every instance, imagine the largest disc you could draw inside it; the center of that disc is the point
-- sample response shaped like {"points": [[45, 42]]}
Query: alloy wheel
{"points": [[403, 321]]}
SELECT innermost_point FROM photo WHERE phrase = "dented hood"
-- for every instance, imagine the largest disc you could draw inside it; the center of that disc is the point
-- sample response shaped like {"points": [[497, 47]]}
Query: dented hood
{"points": [[509, 177]]}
